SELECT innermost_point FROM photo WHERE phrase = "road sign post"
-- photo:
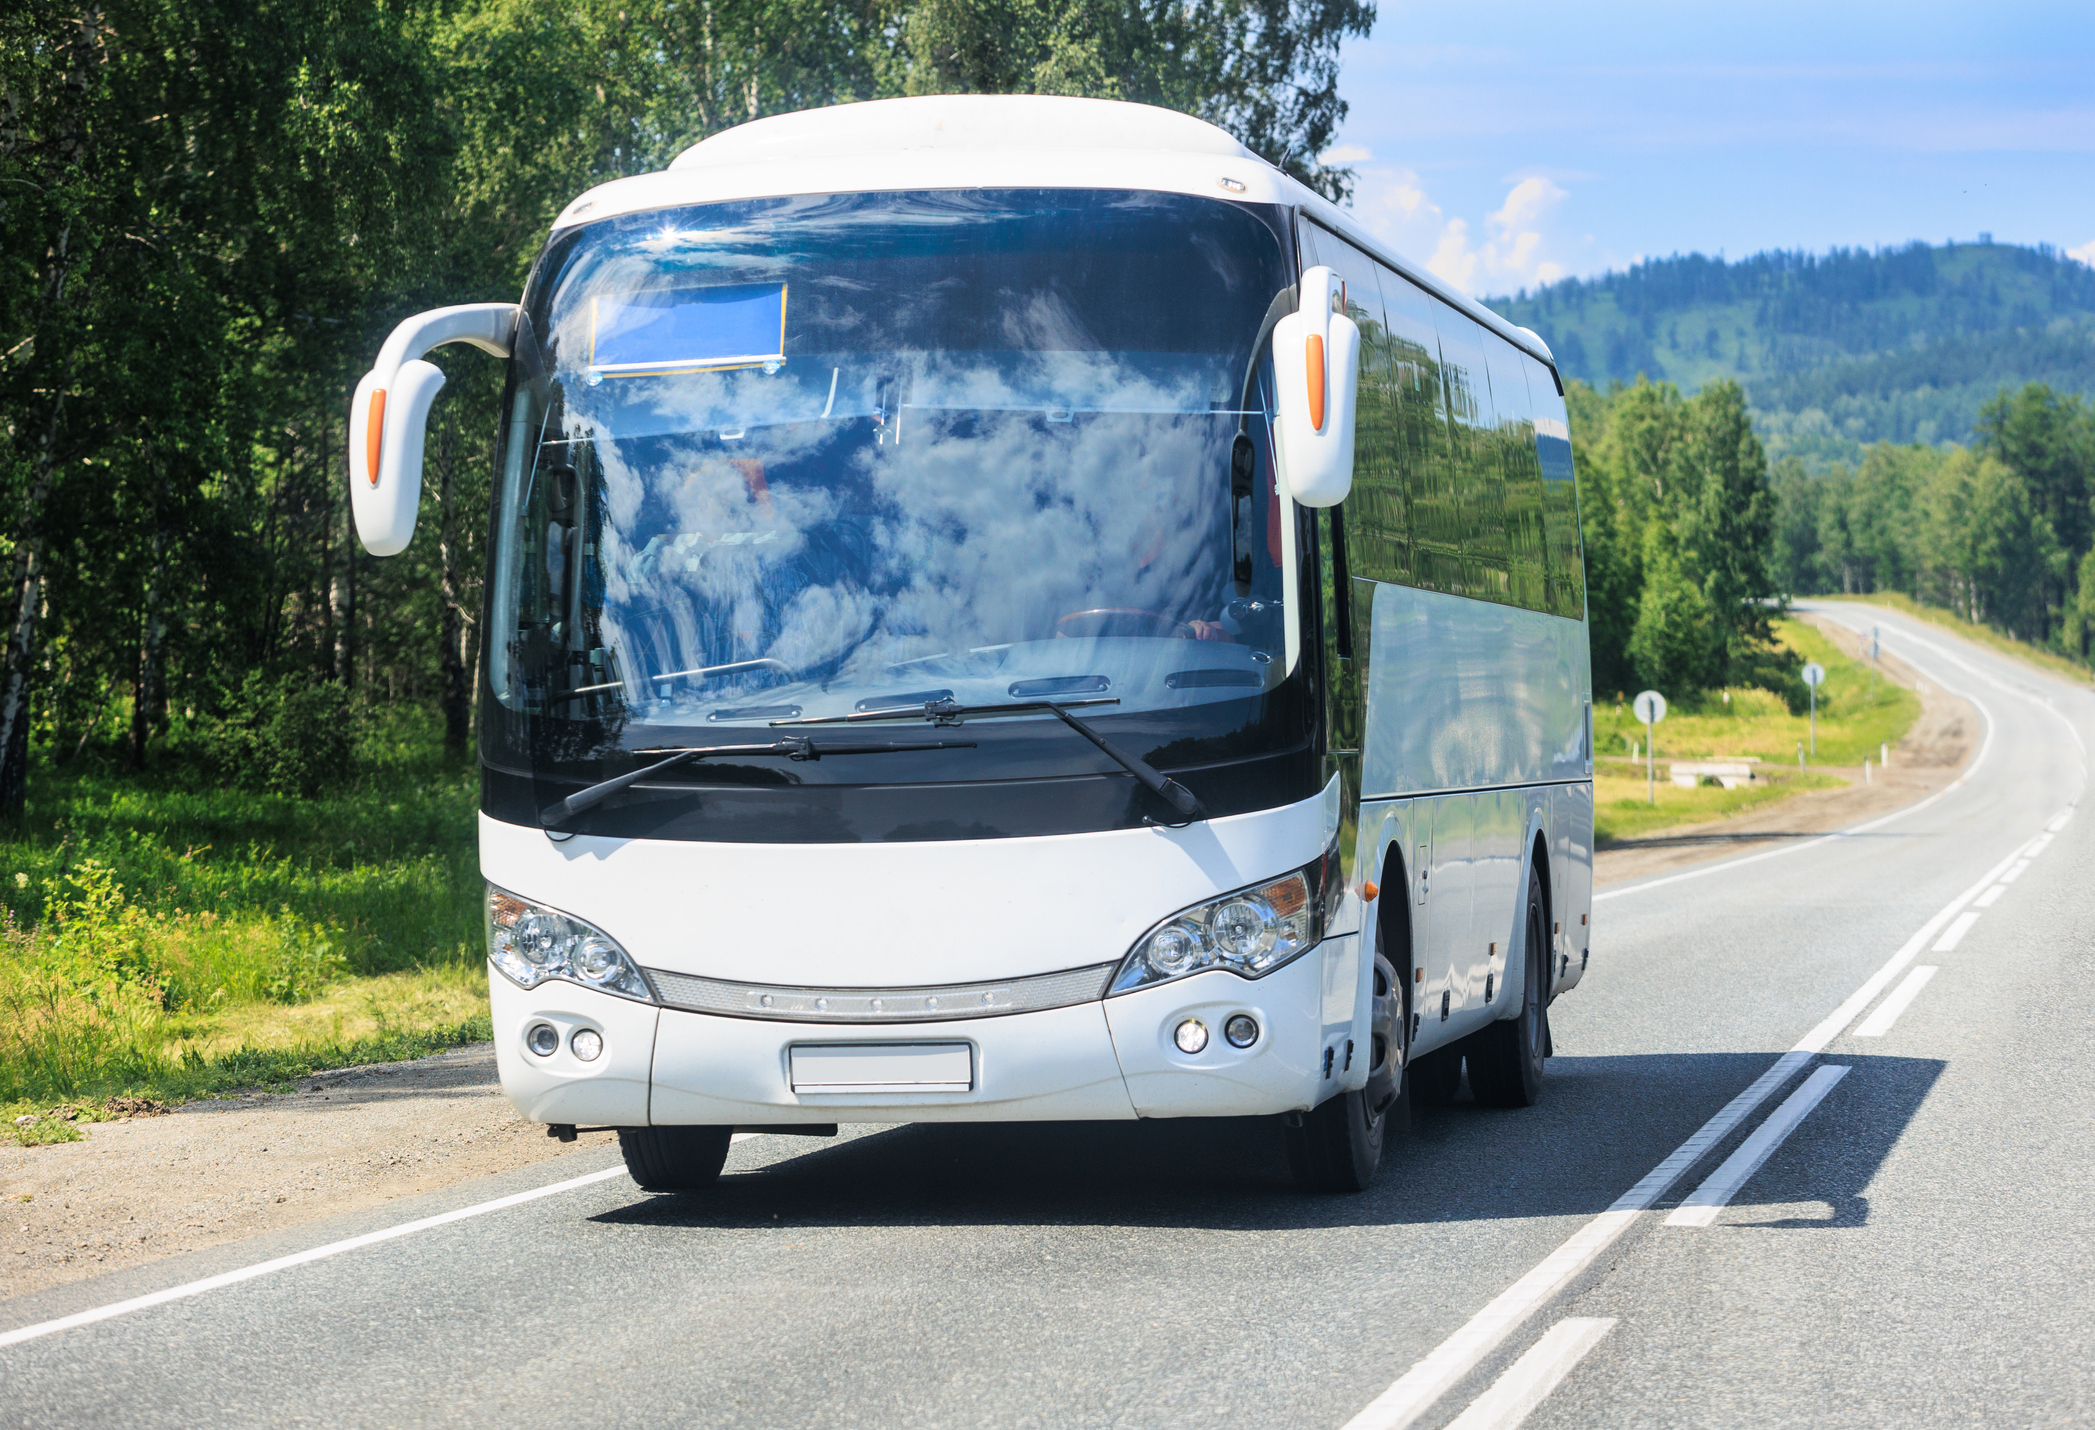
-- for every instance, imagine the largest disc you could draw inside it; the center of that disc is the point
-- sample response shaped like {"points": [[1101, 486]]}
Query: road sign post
{"points": [[1873, 665], [1814, 677], [1650, 707]]}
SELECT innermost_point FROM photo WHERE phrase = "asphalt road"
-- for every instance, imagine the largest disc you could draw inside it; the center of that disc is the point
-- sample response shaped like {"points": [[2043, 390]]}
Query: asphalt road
{"points": [[1916, 1252]]}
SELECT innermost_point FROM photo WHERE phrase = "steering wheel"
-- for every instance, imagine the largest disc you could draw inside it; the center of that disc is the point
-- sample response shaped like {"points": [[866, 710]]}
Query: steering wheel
{"points": [[1119, 621]]}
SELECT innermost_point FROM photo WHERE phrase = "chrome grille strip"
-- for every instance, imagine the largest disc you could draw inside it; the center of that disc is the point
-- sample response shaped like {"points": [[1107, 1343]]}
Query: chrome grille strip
{"points": [[882, 1005]]}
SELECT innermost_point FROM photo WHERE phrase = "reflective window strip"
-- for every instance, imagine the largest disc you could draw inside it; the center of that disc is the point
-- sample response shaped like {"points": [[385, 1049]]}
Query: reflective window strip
{"points": [[882, 1005]]}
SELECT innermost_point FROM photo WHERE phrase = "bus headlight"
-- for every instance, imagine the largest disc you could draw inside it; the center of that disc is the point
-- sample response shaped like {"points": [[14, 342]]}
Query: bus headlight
{"points": [[1250, 932], [530, 943]]}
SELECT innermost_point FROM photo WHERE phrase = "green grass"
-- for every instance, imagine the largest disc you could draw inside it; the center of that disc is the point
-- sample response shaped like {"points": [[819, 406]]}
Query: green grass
{"points": [[1857, 716], [165, 936], [1854, 718], [2036, 655], [1621, 810]]}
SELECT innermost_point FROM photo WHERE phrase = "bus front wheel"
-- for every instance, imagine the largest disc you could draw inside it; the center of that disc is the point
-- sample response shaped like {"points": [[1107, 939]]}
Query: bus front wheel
{"points": [[1338, 1147], [675, 1159]]}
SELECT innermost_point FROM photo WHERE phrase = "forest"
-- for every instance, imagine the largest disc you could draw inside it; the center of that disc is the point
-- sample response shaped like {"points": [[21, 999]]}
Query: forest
{"points": [[211, 213]]}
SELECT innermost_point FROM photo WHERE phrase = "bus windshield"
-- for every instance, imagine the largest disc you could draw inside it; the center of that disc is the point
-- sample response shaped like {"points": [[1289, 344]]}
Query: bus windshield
{"points": [[816, 456]]}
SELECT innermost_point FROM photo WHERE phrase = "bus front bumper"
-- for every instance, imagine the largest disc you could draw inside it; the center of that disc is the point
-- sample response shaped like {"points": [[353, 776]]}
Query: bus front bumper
{"points": [[1110, 1060]]}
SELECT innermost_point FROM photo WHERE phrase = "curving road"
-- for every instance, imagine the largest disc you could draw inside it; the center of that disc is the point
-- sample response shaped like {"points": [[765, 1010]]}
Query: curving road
{"points": [[1914, 1250]]}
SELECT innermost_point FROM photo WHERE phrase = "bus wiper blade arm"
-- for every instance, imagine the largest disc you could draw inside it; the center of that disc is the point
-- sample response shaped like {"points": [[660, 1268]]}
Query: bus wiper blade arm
{"points": [[793, 747], [946, 712]]}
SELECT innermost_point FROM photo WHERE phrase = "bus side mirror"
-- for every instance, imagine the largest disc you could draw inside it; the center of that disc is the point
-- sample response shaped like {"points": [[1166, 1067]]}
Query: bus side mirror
{"points": [[1316, 369], [390, 412]]}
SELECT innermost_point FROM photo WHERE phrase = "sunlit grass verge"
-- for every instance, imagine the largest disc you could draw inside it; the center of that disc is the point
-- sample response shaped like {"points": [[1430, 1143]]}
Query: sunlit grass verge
{"points": [[1856, 716], [1621, 809], [1987, 636], [164, 936]]}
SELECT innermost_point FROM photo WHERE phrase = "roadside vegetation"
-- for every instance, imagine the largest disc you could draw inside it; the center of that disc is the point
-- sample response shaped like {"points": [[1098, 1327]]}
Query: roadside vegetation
{"points": [[169, 935], [1857, 716]]}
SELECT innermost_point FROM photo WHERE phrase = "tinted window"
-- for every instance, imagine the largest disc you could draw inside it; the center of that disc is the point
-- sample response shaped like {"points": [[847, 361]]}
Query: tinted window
{"points": [[1462, 463]]}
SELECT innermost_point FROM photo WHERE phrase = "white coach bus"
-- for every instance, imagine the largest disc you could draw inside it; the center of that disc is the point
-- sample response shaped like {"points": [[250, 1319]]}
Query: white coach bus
{"points": [[1010, 609]]}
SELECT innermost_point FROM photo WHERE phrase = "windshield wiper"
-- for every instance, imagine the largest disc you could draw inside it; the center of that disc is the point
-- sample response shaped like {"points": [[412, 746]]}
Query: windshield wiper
{"points": [[793, 747], [947, 713]]}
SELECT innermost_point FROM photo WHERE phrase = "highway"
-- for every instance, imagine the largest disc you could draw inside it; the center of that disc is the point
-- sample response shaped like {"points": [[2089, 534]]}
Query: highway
{"points": [[1913, 1250]]}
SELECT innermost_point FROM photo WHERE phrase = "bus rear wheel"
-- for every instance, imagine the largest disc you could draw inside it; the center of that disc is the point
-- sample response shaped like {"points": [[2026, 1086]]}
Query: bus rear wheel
{"points": [[675, 1159], [1505, 1059]]}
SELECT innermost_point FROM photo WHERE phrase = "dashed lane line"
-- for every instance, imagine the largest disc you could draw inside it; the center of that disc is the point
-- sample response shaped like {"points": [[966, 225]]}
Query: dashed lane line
{"points": [[1877, 1024], [1702, 1205], [1954, 934], [1514, 1396], [1444, 1367]]}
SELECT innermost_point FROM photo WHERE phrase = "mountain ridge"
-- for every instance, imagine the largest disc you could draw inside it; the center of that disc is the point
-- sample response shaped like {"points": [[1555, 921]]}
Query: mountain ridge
{"points": [[1835, 350]]}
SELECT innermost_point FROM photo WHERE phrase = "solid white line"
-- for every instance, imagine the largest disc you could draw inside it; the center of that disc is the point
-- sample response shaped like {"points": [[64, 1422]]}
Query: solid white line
{"points": [[2015, 873], [1991, 897], [1514, 1396], [1703, 1204], [1877, 1024], [1416, 1391], [1954, 934], [284, 1263]]}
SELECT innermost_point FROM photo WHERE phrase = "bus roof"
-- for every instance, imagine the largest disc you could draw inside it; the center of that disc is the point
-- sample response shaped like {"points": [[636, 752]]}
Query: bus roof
{"points": [[967, 141]]}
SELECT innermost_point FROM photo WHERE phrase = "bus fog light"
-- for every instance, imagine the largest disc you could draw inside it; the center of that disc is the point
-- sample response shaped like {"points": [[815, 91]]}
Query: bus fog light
{"points": [[543, 1040], [1191, 1036], [1241, 1030], [588, 1044]]}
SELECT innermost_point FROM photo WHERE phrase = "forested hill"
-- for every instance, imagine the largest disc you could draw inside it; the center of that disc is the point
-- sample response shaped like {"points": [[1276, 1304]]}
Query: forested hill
{"points": [[1835, 350]]}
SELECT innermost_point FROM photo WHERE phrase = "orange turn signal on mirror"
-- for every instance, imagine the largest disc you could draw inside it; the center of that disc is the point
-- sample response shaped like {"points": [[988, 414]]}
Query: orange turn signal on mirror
{"points": [[1313, 362], [374, 434], [1369, 889]]}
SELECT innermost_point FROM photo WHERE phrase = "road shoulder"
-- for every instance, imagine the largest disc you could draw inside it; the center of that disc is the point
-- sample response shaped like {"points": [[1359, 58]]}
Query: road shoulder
{"points": [[222, 1169]]}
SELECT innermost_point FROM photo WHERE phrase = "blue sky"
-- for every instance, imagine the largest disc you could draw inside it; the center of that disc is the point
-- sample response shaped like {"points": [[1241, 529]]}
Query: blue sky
{"points": [[1506, 144]]}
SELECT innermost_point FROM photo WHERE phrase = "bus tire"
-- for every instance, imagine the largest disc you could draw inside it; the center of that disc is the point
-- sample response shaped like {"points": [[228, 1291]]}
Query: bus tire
{"points": [[674, 1159], [1338, 1147], [1435, 1077], [1506, 1058]]}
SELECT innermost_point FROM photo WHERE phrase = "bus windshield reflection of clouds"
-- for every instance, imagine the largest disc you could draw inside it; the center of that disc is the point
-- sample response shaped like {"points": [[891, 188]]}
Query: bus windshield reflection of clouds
{"points": [[1003, 471]]}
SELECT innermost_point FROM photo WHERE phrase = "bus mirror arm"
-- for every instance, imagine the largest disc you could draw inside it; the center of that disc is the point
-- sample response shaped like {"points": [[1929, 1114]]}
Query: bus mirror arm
{"points": [[1316, 374], [390, 412]]}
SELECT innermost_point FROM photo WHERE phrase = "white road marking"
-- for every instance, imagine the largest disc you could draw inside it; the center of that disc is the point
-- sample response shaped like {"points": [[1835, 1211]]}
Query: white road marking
{"points": [[1988, 899], [1416, 1391], [2043, 842], [1954, 934], [1861, 998], [1514, 1396], [300, 1258], [2060, 823], [2015, 873], [742, 1137], [1703, 1204], [1877, 1024]]}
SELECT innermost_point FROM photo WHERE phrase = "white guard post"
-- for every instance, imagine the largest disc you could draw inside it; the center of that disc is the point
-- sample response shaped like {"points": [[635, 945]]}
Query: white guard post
{"points": [[1316, 367], [391, 409]]}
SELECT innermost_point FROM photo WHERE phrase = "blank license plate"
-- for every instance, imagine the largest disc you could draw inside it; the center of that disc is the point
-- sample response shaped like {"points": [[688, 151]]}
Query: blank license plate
{"points": [[883, 1067]]}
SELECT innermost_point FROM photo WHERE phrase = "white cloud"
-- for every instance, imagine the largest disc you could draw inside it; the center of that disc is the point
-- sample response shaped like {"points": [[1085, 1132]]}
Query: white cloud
{"points": [[2085, 253], [1517, 246]]}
